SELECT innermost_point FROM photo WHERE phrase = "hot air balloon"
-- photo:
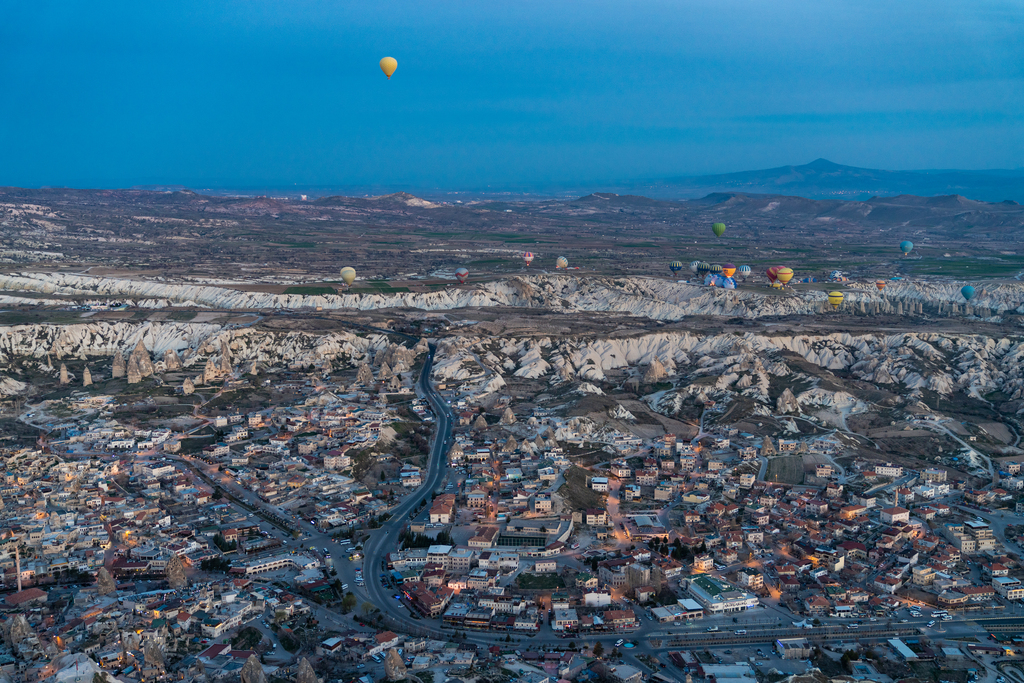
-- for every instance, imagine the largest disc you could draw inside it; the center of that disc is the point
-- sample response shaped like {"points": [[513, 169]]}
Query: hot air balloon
{"points": [[388, 66], [716, 269], [728, 270], [967, 292], [784, 275], [348, 275], [562, 262], [718, 229], [771, 272], [528, 257], [836, 299], [462, 275], [744, 272], [880, 284], [694, 265], [675, 266], [704, 268], [729, 283], [906, 246]]}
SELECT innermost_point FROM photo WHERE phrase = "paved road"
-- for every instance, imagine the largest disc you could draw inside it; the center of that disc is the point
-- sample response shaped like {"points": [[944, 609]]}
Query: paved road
{"points": [[385, 539]]}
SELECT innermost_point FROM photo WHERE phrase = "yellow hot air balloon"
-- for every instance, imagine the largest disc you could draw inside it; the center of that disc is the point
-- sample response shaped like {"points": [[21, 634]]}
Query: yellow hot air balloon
{"points": [[348, 275], [784, 275], [562, 262], [836, 299], [388, 66]]}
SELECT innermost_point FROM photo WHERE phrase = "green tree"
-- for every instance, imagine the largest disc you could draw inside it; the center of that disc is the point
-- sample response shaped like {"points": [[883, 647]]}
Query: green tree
{"points": [[348, 602], [598, 649], [368, 607]]}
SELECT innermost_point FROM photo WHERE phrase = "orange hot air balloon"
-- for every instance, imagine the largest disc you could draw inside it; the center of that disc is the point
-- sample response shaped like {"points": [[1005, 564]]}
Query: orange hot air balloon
{"points": [[784, 275], [388, 66], [728, 270], [880, 284], [772, 272]]}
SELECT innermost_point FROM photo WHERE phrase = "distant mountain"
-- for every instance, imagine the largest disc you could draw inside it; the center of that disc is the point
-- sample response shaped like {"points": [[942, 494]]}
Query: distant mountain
{"points": [[823, 179]]}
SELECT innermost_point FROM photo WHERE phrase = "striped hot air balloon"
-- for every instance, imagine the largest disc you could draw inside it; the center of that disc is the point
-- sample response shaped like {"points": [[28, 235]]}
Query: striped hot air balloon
{"points": [[771, 272], [836, 299], [462, 274], [675, 266], [562, 262], [528, 257], [744, 272], [728, 270], [694, 266], [784, 275]]}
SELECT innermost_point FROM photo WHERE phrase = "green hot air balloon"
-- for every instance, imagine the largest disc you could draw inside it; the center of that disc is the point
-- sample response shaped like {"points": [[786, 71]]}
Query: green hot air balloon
{"points": [[967, 292], [718, 229], [906, 246]]}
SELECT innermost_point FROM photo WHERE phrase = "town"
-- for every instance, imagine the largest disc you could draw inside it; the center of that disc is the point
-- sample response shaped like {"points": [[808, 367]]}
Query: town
{"points": [[320, 530]]}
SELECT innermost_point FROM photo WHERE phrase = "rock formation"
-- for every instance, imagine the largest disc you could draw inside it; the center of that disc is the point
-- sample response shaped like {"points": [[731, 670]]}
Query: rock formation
{"points": [[209, 371], [119, 366], [394, 667], [787, 402], [64, 374], [508, 417], [252, 671], [480, 424], [172, 361], [384, 372], [176, 573], [767, 447], [365, 375], [142, 360], [86, 378], [305, 673], [153, 654], [187, 388], [105, 583], [225, 358], [655, 372], [16, 629], [510, 445], [134, 373]]}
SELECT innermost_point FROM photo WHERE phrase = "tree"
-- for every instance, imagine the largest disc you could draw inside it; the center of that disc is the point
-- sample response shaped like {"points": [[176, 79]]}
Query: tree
{"points": [[348, 602], [598, 649], [368, 607]]}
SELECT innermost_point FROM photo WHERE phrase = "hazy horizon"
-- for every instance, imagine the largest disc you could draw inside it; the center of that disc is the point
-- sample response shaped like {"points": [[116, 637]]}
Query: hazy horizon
{"points": [[256, 94]]}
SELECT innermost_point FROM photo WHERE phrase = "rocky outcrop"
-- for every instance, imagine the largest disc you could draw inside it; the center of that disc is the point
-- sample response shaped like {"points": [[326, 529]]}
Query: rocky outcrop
{"points": [[480, 424], [153, 654], [187, 388], [142, 360], [64, 375], [176, 573], [225, 359], [365, 375], [252, 671], [394, 667], [172, 361], [119, 366], [209, 371], [655, 372], [17, 629], [787, 403], [134, 372], [86, 377], [508, 417], [305, 673], [105, 583]]}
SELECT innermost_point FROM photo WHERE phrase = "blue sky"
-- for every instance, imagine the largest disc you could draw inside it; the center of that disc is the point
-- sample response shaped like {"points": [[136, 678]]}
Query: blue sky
{"points": [[248, 93]]}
